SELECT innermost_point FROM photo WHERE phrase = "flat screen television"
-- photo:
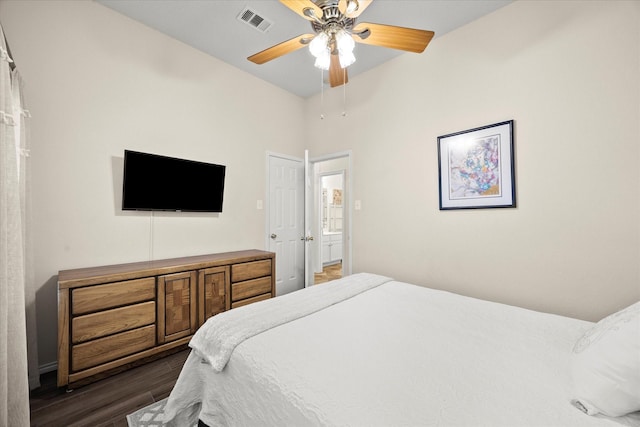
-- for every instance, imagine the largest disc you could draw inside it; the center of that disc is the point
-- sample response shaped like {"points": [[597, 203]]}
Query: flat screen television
{"points": [[159, 183]]}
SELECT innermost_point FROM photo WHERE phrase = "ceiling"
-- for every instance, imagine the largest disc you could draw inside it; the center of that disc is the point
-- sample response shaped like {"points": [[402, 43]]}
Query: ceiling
{"points": [[213, 27]]}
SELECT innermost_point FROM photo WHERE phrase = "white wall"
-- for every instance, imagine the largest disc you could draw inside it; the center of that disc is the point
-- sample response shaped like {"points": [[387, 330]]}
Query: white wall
{"points": [[98, 83], [568, 73]]}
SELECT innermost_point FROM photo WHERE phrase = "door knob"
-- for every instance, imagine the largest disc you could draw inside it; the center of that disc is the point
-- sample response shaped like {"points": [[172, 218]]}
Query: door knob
{"points": [[273, 236]]}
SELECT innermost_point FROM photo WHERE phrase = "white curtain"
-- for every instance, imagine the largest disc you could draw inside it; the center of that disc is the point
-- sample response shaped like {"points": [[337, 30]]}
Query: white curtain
{"points": [[14, 383], [25, 211]]}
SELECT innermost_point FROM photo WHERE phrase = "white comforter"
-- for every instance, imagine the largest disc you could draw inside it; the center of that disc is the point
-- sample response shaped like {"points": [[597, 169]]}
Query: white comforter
{"points": [[217, 339], [391, 354]]}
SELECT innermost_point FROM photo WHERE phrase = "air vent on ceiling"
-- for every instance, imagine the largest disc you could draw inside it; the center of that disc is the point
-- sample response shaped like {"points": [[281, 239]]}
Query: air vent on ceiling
{"points": [[251, 17]]}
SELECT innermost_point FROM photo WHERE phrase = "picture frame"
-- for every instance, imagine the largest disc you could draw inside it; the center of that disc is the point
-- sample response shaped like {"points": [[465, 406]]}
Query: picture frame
{"points": [[476, 168]]}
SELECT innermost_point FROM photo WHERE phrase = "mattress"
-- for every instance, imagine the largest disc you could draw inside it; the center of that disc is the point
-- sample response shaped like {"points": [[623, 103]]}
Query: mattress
{"points": [[391, 354]]}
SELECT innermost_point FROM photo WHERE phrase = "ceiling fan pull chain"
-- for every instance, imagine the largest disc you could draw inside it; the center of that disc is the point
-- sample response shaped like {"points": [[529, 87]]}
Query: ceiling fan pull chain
{"points": [[321, 94], [344, 94]]}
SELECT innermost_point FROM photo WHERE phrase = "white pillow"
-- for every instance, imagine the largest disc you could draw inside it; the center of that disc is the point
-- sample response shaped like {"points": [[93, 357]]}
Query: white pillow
{"points": [[605, 365]]}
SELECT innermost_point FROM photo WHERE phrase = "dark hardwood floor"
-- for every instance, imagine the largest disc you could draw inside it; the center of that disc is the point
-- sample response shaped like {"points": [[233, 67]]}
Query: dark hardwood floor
{"points": [[107, 402]]}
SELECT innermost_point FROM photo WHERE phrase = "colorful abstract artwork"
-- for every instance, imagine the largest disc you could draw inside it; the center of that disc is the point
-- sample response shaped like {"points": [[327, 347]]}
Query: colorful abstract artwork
{"points": [[476, 168]]}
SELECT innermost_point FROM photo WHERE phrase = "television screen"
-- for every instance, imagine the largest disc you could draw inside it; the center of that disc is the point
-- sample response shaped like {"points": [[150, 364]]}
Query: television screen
{"points": [[153, 182]]}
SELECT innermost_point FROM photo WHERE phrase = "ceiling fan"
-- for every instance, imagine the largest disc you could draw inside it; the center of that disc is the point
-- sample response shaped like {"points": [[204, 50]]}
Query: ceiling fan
{"points": [[335, 34]]}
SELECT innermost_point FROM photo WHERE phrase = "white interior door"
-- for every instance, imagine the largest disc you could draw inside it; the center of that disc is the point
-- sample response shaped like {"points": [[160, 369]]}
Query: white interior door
{"points": [[286, 221]]}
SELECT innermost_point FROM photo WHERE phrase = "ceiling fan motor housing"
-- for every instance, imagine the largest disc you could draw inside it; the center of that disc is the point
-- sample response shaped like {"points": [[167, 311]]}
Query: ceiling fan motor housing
{"points": [[332, 19]]}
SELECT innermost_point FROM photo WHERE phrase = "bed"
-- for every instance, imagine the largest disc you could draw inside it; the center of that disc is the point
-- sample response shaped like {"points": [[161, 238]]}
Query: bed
{"points": [[367, 350]]}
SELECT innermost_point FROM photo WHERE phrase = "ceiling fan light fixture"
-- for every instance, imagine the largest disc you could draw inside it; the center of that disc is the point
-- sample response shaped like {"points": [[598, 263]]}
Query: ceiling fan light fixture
{"points": [[323, 61], [344, 42], [318, 45], [345, 45], [346, 59]]}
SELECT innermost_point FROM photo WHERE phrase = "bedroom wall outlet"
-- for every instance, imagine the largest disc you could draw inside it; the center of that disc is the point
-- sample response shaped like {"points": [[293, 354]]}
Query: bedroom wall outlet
{"points": [[259, 205], [357, 205]]}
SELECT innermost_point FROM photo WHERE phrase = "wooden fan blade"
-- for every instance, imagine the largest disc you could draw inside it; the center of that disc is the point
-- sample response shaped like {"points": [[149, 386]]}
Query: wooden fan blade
{"points": [[337, 74], [280, 49], [362, 5], [298, 6], [402, 38]]}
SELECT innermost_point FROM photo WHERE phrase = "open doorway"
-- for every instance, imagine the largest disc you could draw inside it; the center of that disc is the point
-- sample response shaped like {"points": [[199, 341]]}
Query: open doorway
{"points": [[330, 217]]}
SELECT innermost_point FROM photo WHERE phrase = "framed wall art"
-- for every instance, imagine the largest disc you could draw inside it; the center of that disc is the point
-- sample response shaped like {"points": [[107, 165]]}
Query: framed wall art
{"points": [[476, 168]]}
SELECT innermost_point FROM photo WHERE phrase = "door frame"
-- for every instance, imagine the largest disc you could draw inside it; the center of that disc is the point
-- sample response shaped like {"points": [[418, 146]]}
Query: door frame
{"points": [[347, 249], [342, 173]]}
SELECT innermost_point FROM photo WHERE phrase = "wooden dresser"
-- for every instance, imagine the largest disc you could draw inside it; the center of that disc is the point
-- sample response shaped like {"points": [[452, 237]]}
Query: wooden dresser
{"points": [[115, 317]]}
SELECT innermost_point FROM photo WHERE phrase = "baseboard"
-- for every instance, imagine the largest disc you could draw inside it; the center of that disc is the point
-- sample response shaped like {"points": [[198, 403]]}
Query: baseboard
{"points": [[34, 383], [48, 367], [34, 380]]}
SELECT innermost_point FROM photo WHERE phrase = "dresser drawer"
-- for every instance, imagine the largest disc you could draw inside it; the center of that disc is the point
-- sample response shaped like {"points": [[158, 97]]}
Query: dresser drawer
{"points": [[250, 288], [247, 301], [102, 350], [109, 322], [250, 270], [102, 297]]}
